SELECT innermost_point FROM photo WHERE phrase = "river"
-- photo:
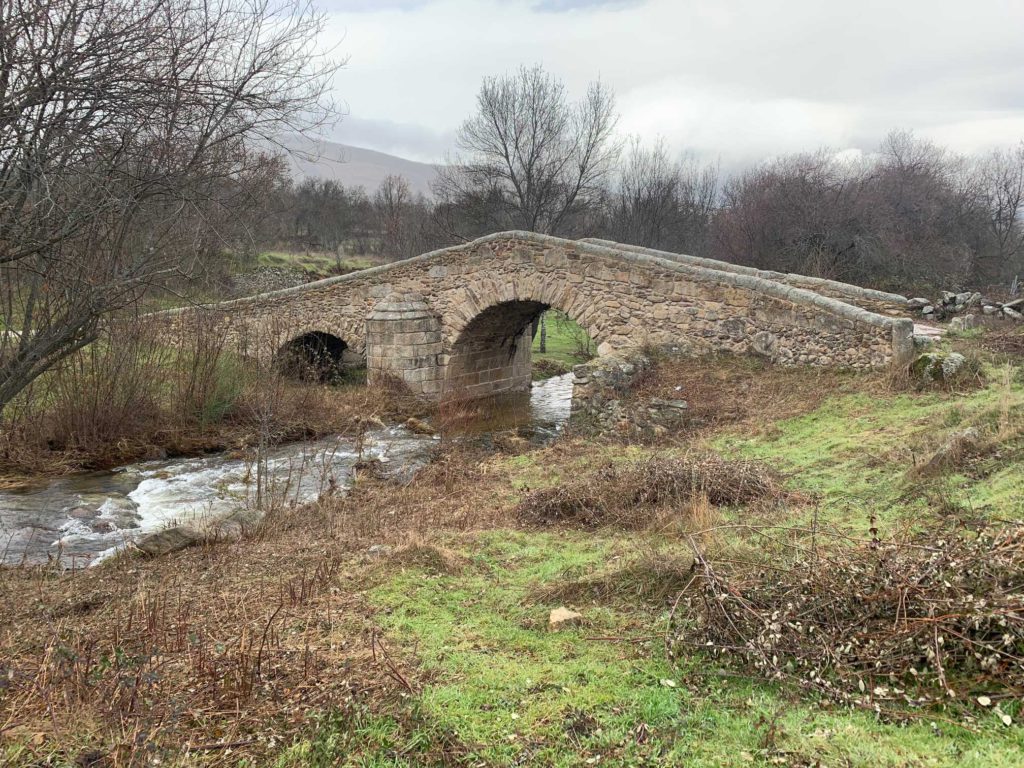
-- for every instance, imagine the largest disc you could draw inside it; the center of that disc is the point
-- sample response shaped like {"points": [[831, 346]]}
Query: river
{"points": [[80, 519]]}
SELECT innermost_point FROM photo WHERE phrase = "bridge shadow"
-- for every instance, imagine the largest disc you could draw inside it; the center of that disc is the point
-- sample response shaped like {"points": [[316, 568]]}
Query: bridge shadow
{"points": [[318, 357], [492, 354]]}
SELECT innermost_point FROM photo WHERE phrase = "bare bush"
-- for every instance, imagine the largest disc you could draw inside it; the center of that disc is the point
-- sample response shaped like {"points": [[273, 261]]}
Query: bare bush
{"points": [[630, 494], [871, 623]]}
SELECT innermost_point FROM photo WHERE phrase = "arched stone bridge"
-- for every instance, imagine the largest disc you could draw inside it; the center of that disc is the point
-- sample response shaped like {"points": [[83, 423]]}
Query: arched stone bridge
{"points": [[460, 319]]}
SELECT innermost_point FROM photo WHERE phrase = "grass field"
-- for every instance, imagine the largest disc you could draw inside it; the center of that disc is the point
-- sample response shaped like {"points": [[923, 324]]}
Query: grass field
{"points": [[315, 262], [406, 624]]}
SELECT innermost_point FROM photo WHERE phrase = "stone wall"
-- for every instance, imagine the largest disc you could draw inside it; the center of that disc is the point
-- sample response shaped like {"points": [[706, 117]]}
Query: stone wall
{"points": [[865, 298], [624, 299]]}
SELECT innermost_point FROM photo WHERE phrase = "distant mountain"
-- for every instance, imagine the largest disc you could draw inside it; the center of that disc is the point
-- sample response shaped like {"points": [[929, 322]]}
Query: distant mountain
{"points": [[355, 166]]}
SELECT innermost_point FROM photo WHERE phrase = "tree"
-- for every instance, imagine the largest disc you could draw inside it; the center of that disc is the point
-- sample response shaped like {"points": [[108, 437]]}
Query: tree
{"points": [[658, 203], [1002, 190], [529, 158], [122, 123]]}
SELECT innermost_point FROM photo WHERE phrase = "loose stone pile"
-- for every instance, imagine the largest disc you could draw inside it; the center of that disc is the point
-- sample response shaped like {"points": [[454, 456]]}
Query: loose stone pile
{"points": [[970, 302]]}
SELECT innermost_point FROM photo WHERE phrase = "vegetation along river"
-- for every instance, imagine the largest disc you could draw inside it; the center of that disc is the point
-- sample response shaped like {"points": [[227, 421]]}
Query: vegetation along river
{"points": [[82, 518]]}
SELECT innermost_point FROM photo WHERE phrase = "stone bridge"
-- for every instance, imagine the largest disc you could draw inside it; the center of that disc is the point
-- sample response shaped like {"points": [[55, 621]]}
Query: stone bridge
{"points": [[460, 319]]}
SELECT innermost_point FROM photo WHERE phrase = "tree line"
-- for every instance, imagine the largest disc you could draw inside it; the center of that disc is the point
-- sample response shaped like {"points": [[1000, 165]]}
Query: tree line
{"points": [[911, 216]]}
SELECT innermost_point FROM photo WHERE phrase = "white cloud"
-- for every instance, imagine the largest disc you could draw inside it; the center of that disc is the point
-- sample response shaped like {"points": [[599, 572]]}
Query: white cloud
{"points": [[736, 79]]}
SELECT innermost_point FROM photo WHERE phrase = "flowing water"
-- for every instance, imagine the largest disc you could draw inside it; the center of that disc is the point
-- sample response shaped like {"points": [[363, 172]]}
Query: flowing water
{"points": [[85, 517]]}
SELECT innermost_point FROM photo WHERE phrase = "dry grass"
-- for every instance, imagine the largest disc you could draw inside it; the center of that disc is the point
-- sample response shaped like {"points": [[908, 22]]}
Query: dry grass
{"points": [[226, 645], [631, 495], [1005, 341]]}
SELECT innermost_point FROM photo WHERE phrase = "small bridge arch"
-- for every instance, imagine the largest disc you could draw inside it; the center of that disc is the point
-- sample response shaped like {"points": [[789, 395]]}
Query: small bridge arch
{"points": [[316, 355]]}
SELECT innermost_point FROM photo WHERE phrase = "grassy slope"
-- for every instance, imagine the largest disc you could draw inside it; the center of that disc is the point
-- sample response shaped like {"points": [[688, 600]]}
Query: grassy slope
{"points": [[503, 691]]}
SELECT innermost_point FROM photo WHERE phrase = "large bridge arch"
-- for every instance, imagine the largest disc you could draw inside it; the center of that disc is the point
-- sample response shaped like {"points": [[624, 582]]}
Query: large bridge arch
{"points": [[489, 335]]}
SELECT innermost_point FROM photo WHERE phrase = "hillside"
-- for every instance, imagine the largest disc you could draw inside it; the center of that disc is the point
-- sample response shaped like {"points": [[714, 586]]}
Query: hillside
{"points": [[355, 166]]}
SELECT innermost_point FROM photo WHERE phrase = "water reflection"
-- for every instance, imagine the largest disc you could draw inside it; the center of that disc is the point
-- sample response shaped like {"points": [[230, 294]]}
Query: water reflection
{"points": [[542, 411]]}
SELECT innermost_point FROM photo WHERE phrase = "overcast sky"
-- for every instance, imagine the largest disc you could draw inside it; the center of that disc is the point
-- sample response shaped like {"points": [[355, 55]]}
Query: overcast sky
{"points": [[733, 80]]}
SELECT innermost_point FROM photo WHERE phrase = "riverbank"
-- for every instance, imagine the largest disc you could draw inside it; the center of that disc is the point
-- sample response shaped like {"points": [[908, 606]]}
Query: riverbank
{"points": [[407, 624]]}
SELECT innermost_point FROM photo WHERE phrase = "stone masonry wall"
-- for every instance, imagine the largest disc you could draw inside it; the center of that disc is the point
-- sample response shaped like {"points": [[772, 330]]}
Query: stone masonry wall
{"points": [[623, 299]]}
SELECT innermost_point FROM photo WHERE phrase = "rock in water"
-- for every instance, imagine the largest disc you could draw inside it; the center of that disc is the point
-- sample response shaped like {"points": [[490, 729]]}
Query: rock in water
{"points": [[562, 617], [419, 427]]}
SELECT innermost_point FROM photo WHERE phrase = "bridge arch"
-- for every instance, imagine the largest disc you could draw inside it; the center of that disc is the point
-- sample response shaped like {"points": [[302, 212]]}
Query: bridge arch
{"points": [[316, 355], [490, 337]]}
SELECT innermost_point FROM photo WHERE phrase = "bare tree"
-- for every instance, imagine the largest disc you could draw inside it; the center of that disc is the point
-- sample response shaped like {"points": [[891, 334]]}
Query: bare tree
{"points": [[529, 158], [392, 204], [663, 204], [122, 123], [1002, 187]]}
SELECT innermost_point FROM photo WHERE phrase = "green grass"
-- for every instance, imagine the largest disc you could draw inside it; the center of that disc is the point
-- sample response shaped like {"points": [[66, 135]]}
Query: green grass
{"points": [[854, 452], [565, 342], [505, 691]]}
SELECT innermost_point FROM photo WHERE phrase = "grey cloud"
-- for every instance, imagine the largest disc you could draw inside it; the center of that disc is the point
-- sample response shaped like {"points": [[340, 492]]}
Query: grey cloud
{"points": [[561, 6], [732, 79]]}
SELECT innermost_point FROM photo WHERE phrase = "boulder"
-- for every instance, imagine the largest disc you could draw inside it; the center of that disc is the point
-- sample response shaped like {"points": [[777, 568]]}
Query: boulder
{"points": [[764, 344], [928, 310], [937, 366], [562, 618], [949, 298], [918, 303], [989, 309], [1013, 314], [169, 540]]}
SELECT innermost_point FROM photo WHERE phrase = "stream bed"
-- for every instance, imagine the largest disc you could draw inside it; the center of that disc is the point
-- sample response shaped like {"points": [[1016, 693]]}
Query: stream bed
{"points": [[82, 518]]}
